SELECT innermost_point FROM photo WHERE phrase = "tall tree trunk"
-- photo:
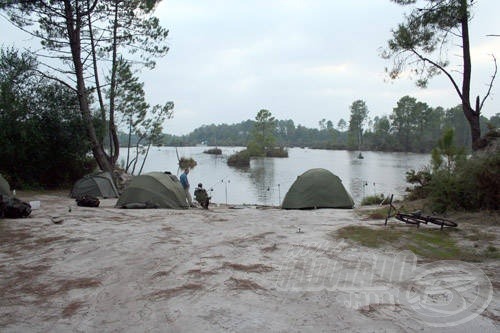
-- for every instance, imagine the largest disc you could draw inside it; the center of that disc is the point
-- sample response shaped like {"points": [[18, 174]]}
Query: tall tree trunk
{"points": [[96, 78], [471, 115], [73, 24], [114, 144]]}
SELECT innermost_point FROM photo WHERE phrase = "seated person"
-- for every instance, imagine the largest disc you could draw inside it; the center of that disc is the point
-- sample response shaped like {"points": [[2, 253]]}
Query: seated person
{"points": [[200, 194]]}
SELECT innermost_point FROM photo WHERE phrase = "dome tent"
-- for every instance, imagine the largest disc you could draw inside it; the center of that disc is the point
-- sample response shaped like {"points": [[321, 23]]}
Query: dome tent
{"points": [[97, 185], [153, 190], [4, 186], [317, 188]]}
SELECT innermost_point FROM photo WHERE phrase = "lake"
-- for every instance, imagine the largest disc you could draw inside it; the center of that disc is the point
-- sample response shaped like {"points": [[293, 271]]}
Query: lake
{"points": [[267, 180]]}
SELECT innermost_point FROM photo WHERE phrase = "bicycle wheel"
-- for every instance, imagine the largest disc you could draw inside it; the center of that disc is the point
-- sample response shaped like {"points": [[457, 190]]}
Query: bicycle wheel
{"points": [[442, 222], [409, 218]]}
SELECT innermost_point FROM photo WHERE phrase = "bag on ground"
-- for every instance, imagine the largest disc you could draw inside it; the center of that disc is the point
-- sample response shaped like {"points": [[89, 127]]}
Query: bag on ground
{"points": [[13, 208], [87, 201]]}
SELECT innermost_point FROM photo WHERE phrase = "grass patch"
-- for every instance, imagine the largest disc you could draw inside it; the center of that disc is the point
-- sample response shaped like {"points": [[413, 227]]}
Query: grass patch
{"points": [[435, 244], [375, 214], [369, 237], [432, 244], [373, 200]]}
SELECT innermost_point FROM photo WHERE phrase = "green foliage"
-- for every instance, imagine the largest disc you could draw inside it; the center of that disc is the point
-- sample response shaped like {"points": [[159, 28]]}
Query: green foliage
{"points": [[185, 162], [213, 151], [420, 133], [42, 140], [432, 244], [277, 152], [454, 182], [143, 121], [254, 149], [419, 47], [480, 179], [421, 180], [359, 114], [446, 156], [426, 27], [373, 200], [263, 138], [86, 37], [239, 159]]}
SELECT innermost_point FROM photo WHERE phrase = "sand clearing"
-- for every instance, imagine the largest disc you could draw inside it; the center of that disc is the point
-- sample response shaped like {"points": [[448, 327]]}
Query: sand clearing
{"points": [[223, 270]]}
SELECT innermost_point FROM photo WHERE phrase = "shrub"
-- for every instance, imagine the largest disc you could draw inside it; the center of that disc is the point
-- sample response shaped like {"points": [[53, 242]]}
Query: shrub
{"points": [[42, 134], [422, 179], [255, 150], [277, 152], [240, 159], [373, 200], [458, 183], [213, 151], [185, 162]]}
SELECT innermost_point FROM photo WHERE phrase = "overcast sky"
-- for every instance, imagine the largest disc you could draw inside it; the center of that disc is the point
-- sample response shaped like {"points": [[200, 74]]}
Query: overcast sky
{"points": [[303, 60]]}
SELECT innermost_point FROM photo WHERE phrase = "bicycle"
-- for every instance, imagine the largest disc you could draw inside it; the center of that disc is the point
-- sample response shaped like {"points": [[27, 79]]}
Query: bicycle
{"points": [[417, 217]]}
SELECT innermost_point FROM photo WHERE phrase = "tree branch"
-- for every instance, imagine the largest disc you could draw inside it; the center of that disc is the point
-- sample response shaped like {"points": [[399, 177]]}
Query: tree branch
{"points": [[441, 68], [491, 84], [55, 79]]}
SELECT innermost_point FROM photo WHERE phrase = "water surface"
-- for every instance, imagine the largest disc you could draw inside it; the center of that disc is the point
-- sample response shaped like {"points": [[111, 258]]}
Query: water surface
{"points": [[267, 180]]}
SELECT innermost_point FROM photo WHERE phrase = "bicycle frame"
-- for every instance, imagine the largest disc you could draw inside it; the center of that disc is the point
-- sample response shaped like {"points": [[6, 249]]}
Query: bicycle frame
{"points": [[417, 218]]}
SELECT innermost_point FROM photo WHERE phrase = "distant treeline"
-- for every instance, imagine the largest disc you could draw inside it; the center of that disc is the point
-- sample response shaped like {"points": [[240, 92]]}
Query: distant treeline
{"points": [[401, 131]]}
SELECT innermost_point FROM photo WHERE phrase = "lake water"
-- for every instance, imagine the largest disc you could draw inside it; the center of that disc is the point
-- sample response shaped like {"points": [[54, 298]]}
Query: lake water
{"points": [[267, 180]]}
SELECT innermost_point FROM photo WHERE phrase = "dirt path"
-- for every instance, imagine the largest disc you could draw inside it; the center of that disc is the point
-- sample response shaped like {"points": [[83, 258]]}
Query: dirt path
{"points": [[224, 270]]}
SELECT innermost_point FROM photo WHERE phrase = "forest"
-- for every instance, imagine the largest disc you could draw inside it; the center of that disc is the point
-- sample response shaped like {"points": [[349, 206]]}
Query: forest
{"points": [[413, 126]]}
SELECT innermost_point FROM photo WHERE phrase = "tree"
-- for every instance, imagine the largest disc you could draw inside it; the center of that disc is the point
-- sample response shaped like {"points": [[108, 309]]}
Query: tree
{"points": [[341, 125], [322, 124], [42, 136], [404, 120], [381, 133], [84, 35], [419, 44], [263, 138], [359, 114]]}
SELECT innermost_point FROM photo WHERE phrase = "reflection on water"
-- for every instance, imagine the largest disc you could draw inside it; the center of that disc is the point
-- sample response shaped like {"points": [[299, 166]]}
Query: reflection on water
{"points": [[267, 180]]}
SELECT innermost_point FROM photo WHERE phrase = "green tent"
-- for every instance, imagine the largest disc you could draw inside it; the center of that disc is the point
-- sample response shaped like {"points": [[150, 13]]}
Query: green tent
{"points": [[4, 187], [153, 190], [96, 184], [317, 188]]}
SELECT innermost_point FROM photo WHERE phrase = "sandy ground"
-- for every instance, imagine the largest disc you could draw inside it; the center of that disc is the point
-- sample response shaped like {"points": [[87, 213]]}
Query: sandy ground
{"points": [[240, 269]]}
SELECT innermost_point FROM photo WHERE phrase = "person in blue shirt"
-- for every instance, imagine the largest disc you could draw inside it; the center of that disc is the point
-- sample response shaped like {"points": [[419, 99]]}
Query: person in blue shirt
{"points": [[185, 184]]}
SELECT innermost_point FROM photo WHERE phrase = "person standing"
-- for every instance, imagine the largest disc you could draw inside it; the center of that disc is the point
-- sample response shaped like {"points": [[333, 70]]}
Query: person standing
{"points": [[185, 184]]}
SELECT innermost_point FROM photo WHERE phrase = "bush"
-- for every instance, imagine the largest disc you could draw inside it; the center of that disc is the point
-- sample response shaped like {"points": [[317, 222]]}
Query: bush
{"points": [[185, 163], [255, 150], [43, 136], [239, 159], [458, 183], [422, 179], [277, 152], [373, 200], [213, 151]]}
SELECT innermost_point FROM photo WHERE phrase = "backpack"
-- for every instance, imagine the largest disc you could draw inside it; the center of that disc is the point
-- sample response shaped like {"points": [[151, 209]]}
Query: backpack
{"points": [[13, 208], [87, 201]]}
